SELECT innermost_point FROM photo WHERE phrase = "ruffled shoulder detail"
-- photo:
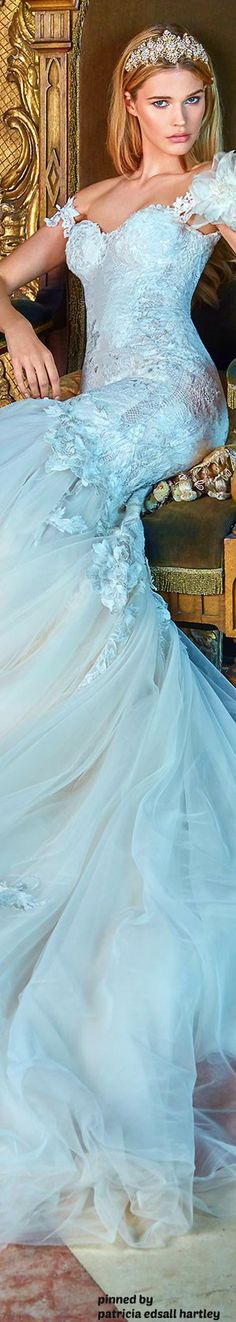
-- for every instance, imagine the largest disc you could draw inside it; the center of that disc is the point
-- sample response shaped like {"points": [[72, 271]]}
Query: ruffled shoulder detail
{"points": [[212, 193], [68, 214]]}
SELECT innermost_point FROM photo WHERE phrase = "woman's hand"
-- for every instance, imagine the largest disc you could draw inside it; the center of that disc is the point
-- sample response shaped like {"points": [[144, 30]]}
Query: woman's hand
{"points": [[30, 359]]}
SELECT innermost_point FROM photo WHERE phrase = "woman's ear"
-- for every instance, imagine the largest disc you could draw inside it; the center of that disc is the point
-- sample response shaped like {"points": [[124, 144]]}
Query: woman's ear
{"points": [[129, 103]]}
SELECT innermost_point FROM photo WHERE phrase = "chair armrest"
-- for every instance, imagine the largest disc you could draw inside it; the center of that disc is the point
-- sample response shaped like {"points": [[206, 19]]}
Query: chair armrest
{"points": [[45, 312], [70, 384]]}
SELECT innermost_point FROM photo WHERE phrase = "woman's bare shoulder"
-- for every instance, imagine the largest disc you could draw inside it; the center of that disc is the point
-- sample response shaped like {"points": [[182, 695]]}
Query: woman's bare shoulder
{"points": [[204, 165], [85, 196]]}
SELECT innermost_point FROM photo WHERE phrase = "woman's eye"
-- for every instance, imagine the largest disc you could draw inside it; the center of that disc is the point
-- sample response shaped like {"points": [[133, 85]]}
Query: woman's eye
{"points": [[161, 100]]}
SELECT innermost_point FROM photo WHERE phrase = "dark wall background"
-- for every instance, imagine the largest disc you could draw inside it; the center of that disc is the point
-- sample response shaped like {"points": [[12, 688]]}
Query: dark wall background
{"points": [[108, 25]]}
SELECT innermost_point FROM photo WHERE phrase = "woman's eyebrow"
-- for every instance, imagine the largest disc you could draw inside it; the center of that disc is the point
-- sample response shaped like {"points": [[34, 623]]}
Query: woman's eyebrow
{"points": [[170, 98]]}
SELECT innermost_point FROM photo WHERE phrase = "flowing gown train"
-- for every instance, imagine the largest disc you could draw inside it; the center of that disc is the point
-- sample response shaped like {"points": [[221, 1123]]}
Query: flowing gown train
{"points": [[117, 776]]}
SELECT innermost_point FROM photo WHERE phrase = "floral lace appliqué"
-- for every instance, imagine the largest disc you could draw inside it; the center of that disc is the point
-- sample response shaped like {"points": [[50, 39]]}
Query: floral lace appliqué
{"points": [[118, 564], [212, 193], [72, 523], [117, 640], [19, 895], [68, 214]]}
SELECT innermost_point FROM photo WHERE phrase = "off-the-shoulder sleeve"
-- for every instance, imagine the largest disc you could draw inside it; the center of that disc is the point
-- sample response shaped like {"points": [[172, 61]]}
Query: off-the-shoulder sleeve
{"points": [[67, 214], [212, 193]]}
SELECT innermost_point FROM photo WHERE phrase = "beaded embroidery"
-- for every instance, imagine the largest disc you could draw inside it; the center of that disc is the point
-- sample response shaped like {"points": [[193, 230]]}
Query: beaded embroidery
{"points": [[170, 47]]}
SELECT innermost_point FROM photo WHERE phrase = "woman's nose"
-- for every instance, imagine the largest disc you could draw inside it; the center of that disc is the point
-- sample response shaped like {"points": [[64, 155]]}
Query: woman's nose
{"points": [[180, 118], [179, 123]]}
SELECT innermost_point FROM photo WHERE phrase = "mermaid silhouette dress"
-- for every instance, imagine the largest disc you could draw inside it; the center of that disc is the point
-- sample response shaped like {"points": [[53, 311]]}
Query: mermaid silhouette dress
{"points": [[117, 773]]}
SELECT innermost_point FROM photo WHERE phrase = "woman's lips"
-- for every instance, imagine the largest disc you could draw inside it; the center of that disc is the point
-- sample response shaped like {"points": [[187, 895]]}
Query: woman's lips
{"points": [[179, 137]]}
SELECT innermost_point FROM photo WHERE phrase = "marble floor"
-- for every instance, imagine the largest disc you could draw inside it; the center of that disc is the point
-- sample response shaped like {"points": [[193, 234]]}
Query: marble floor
{"points": [[45, 1285], [194, 1276]]}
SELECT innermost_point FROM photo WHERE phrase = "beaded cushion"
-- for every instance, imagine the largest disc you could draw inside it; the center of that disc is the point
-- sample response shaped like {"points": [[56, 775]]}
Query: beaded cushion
{"points": [[211, 477]]}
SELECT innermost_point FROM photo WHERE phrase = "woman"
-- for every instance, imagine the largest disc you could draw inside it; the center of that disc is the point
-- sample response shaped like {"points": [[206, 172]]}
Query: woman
{"points": [[118, 740]]}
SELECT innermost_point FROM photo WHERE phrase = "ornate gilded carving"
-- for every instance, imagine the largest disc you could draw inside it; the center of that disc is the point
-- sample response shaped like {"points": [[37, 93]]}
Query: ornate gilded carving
{"points": [[8, 142], [53, 131], [52, 26], [53, 42], [19, 183], [74, 127], [4, 385], [8, 388]]}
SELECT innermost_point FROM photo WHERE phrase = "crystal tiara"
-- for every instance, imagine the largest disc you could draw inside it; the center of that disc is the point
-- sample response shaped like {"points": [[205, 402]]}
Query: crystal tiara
{"points": [[170, 46]]}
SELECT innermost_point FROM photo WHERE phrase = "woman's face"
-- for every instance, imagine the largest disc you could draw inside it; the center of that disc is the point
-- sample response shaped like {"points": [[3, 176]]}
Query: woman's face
{"points": [[170, 104]]}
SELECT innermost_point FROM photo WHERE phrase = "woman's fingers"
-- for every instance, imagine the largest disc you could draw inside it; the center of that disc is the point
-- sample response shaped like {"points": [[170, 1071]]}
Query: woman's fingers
{"points": [[39, 378], [33, 381], [34, 367], [44, 377], [18, 374], [39, 383], [53, 374]]}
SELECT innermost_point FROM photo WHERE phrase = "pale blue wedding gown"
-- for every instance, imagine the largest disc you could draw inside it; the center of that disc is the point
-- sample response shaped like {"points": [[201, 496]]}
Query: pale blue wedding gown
{"points": [[117, 771]]}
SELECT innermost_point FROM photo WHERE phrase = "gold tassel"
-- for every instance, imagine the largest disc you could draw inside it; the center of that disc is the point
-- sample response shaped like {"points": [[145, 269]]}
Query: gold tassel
{"points": [[231, 394], [169, 578]]}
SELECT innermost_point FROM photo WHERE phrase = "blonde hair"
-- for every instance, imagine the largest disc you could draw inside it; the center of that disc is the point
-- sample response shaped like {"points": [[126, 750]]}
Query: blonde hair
{"points": [[124, 140]]}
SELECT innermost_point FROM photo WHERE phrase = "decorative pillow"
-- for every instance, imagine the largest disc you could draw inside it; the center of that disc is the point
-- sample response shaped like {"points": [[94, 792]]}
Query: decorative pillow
{"points": [[212, 477]]}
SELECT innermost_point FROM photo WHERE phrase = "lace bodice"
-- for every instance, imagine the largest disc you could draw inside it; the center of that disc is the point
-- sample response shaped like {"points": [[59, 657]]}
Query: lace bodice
{"points": [[139, 280], [151, 400]]}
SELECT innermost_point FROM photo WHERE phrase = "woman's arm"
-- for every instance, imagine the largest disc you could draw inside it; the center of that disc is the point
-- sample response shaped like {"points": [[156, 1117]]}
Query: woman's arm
{"points": [[44, 251], [228, 234], [34, 368], [34, 257], [213, 194]]}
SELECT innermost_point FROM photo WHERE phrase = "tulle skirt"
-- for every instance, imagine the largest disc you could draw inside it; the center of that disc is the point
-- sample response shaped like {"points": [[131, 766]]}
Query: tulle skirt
{"points": [[117, 893]]}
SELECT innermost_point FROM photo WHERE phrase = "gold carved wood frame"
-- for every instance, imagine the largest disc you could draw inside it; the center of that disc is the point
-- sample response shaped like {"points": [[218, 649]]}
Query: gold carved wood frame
{"points": [[39, 138], [57, 43], [19, 145]]}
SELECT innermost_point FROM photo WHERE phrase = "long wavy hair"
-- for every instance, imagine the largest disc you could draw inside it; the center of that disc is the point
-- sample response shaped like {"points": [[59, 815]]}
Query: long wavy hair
{"points": [[124, 140]]}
